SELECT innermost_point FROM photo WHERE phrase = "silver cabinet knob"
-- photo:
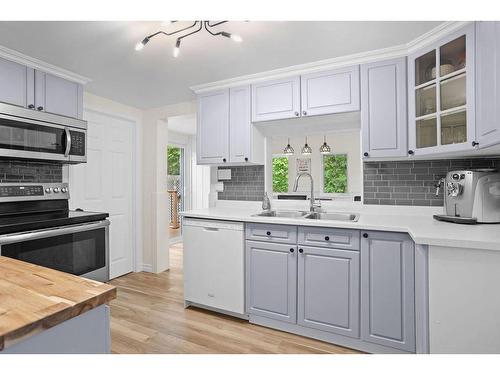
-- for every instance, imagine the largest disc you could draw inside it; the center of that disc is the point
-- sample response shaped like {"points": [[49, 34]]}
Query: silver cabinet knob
{"points": [[297, 114], [304, 113]]}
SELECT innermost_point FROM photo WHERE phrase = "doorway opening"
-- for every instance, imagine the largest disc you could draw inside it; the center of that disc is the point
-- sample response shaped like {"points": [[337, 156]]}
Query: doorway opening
{"points": [[176, 190]]}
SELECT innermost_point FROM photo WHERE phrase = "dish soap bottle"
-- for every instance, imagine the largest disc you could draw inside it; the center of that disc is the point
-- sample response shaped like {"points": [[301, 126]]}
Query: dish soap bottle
{"points": [[266, 203]]}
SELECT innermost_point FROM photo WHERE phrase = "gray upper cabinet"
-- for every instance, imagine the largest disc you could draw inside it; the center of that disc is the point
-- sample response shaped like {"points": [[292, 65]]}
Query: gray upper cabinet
{"points": [[16, 83], [34, 89], [387, 290], [328, 290], [271, 280], [383, 108], [441, 100], [213, 127], [330, 92], [57, 95], [487, 83], [240, 135], [278, 99]]}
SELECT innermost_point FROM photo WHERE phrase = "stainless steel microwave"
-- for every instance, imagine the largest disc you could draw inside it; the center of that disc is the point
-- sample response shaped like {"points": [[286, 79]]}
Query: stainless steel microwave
{"points": [[30, 134]]}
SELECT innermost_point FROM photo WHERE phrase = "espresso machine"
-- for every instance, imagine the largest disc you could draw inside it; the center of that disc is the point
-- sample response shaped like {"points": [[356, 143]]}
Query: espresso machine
{"points": [[471, 196]]}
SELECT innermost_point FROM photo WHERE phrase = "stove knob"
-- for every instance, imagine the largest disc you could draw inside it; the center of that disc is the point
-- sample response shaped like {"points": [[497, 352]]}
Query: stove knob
{"points": [[56, 190], [64, 190], [48, 190]]}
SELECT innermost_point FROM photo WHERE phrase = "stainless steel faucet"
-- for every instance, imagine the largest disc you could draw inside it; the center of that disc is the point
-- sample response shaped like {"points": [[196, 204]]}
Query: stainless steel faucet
{"points": [[312, 206]]}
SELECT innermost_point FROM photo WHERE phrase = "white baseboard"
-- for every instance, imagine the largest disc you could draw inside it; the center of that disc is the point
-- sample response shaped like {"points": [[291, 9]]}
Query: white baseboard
{"points": [[147, 268]]}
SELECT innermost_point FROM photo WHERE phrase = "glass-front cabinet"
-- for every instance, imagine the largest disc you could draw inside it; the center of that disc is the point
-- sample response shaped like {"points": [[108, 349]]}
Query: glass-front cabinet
{"points": [[441, 95]]}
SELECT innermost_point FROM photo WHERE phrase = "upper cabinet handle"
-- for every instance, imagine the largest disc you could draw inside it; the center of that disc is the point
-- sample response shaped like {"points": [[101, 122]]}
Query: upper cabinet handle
{"points": [[365, 154], [411, 152], [474, 143], [40, 108], [304, 113], [31, 106], [297, 114]]}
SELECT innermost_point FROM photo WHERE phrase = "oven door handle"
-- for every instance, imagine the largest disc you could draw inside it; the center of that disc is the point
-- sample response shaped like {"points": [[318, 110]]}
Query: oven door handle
{"points": [[68, 142], [60, 231]]}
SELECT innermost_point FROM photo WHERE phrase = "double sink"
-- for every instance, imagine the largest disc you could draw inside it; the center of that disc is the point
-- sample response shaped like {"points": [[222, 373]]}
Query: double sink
{"points": [[336, 216]]}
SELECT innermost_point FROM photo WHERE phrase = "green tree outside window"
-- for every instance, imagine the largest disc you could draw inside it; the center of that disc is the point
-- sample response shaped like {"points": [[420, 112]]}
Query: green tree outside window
{"points": [[173, 161], [280, 174], [335, 173]]}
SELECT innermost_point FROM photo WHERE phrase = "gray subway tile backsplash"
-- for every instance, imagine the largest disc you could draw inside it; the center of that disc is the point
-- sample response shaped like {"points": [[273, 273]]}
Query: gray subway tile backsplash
{"points": [[21, 171], [246, 184], [411, 183]]}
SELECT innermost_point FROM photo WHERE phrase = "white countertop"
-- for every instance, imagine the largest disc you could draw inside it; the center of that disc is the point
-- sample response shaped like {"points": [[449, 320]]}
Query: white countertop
{"points": [[418, 223]]}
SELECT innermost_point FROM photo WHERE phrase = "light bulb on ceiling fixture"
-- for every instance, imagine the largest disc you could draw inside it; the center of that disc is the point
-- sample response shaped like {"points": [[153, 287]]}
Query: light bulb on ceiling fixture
{"points": [[177, 49], [141, 44], [234, 37], [306, 150], [325, 149]]}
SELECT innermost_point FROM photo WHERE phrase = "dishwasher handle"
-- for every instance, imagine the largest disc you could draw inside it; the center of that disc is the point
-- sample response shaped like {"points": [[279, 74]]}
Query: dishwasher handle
{"points": [[210, 229]]}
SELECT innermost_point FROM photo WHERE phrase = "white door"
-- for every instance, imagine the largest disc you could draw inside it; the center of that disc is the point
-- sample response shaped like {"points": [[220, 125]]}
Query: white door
{"points": [[105, 183]]}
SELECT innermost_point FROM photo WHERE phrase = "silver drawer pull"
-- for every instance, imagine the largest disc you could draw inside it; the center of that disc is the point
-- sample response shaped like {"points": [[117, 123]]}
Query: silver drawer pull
{"points": [[210, 229]]}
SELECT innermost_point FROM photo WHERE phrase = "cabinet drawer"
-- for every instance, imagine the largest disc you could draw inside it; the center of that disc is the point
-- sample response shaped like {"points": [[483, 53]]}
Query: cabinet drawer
{"points": [[329, 237], [271, 232]]}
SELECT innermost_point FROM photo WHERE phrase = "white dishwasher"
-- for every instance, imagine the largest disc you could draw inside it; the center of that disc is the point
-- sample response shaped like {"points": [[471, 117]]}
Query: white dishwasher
{"points": [[214, 264]]}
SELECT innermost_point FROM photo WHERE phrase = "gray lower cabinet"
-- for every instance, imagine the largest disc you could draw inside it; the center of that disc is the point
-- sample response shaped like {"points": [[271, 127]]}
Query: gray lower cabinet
{"points": [[328, 290], [388, 292], [271, 280]]}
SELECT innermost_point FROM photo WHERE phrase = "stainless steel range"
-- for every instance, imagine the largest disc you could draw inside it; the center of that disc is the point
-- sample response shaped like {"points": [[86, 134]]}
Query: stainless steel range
{"points": [[36, 226]]}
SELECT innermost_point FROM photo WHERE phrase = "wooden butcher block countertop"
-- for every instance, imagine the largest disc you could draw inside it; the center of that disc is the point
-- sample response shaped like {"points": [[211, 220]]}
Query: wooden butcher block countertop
{"points": [[34, 298]]}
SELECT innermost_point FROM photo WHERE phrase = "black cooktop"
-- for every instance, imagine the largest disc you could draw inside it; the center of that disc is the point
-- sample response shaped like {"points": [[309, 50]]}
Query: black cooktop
{"points": [[32, 215]]}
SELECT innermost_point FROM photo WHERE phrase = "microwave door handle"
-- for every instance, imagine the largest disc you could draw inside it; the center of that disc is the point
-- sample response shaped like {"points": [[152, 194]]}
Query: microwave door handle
{"points": [[68, 142], [27, 236]]}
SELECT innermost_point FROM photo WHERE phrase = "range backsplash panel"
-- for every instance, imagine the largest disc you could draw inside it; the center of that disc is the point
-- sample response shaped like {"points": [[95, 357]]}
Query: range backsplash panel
{"points": [[21, 171], [411, 183], [246, 184]]}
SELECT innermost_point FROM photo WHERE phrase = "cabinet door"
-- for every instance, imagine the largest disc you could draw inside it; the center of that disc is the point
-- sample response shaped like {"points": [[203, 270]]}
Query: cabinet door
{"points": [[271, 280], [57, 95], [330, 92], [328, 290], [213, 127], [383, 108], [240, 125], [274, 100], [487, 83], [388, 290], [441, 100], [16, 83]]}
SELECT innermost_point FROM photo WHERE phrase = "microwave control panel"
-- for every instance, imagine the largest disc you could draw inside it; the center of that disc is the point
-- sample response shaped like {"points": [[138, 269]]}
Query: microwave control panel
{"points": [[77, 143]]}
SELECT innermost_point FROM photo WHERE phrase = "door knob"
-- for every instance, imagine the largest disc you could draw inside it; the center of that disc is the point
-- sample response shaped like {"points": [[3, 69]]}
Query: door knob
{"points": [[224, 160], [365, 235], [365, 154], [268, 233], [301, 251], [304, 113], [297, 114], [31, 106], [327, 238], [411, 152], [474, 143], [292, 250], [40, 108]]}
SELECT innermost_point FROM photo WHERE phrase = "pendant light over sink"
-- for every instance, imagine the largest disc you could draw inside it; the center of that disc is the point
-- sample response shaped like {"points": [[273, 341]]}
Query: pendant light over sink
{"points": [[288, 149], [325, 148], [306, 150]]}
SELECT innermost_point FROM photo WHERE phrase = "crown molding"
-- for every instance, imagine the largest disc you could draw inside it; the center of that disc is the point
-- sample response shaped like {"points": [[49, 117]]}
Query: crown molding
{"points": [[34, 63], [358, 58]]}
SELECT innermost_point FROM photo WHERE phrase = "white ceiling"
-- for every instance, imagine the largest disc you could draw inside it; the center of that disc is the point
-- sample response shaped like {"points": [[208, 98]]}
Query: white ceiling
{"points": [[104, 52]]}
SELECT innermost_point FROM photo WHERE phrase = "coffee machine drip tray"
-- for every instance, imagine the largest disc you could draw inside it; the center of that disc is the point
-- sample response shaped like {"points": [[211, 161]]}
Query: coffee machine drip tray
{"points": [[456, 219]]}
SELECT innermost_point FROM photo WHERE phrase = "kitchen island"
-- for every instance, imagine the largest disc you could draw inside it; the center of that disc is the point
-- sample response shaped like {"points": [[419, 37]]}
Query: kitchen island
{"points": [[47, 311]]}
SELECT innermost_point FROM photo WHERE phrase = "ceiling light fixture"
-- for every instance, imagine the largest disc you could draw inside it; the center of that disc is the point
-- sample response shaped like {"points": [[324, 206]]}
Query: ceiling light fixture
{"points": [[325, 149], [193, 28], [288, 149], [306, 150]]}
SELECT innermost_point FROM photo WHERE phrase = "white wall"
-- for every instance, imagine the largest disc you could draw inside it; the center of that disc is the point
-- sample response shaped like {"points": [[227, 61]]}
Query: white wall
{"points": [[155, 196], [341, 142]]}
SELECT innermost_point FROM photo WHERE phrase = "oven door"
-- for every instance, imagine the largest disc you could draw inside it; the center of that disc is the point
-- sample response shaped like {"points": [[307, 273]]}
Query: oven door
{"points": [[81, 250]]}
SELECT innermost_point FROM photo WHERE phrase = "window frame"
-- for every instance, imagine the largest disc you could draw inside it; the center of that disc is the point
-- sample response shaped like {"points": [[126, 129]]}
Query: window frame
{"points": [[322, 176]]}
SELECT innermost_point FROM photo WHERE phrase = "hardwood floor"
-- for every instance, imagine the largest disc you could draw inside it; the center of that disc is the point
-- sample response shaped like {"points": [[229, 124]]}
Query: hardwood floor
{"points": [[148, 316]]}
